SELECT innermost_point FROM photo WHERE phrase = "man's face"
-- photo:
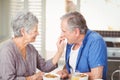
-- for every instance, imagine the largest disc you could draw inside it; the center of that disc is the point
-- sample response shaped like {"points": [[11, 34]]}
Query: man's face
{"points": [[66, 32]]}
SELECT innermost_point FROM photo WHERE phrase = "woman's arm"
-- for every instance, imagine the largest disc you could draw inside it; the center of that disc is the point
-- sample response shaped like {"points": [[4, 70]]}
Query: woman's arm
{"points": [[7, 66], [51, 64], [60, 48], [37, 76]]}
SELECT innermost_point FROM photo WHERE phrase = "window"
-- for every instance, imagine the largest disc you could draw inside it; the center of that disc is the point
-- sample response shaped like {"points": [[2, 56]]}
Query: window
{"points": [[11, 7], [54, 10], [4, 29]]}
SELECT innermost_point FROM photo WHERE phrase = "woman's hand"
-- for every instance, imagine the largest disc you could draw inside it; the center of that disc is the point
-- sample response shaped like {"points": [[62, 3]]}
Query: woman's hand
{"points": [[60, 46], [37, 76]]}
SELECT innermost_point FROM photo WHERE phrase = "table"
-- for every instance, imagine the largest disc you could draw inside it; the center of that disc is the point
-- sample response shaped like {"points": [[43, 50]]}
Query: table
{"points": [[64, 79]]}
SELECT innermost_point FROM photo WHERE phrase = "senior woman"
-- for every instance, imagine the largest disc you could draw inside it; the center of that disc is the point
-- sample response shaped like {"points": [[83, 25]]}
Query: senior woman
{"points": [[18, 58]]}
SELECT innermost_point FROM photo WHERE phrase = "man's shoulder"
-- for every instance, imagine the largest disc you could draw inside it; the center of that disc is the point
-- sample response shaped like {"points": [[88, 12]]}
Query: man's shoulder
{"points": [[95, 36]]}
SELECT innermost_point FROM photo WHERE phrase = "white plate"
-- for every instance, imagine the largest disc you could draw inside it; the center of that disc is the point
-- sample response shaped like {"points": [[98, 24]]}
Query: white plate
{"points": [[76, 76], [56, 76]]}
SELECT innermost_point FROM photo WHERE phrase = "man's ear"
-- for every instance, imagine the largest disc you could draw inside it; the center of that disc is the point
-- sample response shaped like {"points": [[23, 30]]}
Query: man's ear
{"points": [[77, 31]]}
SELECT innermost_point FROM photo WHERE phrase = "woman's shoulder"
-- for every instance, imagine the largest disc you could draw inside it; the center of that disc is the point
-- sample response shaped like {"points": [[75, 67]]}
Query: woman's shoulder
{"points": [[31, 47], [6, 48], [5, 44]]}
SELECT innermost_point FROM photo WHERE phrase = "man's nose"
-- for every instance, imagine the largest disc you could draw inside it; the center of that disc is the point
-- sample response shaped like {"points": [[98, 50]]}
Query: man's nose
{"points": [[37, 33], [62, 34]]}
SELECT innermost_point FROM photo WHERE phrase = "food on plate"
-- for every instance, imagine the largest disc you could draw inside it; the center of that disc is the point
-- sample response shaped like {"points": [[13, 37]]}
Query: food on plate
{"points": [[81, 75], [50, 75]]}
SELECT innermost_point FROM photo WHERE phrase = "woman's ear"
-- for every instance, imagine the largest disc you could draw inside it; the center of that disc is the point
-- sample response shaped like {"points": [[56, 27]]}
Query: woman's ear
{"points": [[22, 31]]}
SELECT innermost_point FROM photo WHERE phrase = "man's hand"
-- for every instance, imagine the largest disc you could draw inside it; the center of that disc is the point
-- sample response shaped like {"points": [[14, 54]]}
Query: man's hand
{"points": [[63, 73]]}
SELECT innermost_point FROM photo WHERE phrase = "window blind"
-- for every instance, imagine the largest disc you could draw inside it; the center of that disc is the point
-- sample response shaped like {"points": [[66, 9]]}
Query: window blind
{"points": [[37, 7]]}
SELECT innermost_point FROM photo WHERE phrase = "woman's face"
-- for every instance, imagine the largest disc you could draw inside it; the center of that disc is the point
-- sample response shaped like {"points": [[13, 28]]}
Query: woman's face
{"points": [[32, 34]]}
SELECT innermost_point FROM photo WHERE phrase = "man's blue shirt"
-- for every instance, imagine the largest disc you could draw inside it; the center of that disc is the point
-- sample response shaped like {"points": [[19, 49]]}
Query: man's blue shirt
{"points": [[93, 53]]}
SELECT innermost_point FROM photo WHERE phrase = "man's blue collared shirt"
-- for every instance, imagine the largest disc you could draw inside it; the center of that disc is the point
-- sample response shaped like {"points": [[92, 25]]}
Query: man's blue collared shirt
{"points": [[93, 53]]}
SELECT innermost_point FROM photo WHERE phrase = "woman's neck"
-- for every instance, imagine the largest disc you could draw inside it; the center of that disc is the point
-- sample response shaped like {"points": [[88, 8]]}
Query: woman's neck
{"points": [[21, 44]]}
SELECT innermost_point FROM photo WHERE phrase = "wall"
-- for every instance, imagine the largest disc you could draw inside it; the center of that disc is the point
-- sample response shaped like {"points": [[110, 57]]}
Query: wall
{"points": [[4, 19], [101, 14], [54, 10]]}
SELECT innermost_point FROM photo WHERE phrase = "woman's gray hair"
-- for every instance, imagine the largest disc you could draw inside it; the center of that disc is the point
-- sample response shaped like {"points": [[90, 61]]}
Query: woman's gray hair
{"points": [[24, 20], [75, 20]]}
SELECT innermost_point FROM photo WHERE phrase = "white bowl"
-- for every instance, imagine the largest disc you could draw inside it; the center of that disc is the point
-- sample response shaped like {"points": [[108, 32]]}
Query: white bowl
{"points": [[51, 76], [79, 76]]}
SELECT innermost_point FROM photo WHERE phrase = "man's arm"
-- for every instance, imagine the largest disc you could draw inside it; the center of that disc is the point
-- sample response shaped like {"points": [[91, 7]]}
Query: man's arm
{"points": [[96, 73]]}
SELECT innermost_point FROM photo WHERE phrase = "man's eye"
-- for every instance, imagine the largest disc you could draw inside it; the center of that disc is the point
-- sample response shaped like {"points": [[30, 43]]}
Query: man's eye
{"points": [[36, 31], [63, 31]]}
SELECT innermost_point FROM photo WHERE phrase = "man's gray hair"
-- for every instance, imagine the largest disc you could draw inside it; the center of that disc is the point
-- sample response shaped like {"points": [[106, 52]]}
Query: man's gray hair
{"points": [[24, 20], [75, 20]]}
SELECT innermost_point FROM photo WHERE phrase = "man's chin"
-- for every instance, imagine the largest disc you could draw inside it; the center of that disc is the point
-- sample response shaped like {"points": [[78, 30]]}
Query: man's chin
{"points": [[69, 43], [32, 40]]}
